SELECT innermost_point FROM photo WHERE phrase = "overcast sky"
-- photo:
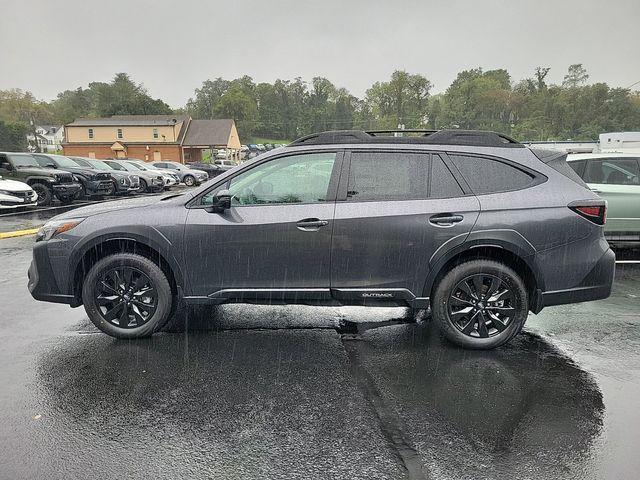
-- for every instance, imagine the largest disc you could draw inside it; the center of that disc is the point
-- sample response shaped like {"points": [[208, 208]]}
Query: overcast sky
{"points": [[172, 46]]}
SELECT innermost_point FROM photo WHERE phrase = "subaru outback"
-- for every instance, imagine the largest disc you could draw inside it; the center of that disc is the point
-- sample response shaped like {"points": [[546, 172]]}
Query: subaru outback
{"points": [[473, 225]]}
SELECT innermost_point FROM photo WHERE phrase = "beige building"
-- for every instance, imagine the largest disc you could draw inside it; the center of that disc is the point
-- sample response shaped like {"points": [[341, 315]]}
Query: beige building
{"points": [[149, 137]]}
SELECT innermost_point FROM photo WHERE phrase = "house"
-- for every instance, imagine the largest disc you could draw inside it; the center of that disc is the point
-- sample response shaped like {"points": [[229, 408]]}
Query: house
{"points": [[48, 138], [149, 137]]}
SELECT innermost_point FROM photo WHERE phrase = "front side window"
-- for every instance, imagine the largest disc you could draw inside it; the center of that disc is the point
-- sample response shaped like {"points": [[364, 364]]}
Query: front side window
{"points": [[384, 176], [487, 175], [613, 171], [293, 179]]}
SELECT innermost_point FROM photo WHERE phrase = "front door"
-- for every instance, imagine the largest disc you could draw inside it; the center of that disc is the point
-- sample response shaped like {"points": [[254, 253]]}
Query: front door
{"points": [[275, 240], [398, 209]]}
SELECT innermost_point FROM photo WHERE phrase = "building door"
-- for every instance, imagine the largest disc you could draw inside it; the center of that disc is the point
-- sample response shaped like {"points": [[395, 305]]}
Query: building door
{"points": [[157, 156]]}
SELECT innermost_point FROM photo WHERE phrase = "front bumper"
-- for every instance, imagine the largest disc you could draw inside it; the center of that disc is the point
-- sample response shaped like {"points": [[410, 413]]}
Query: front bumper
{"points": [[98, 187], [20, 199], [66, 189], [42, 281], [595, 286]]}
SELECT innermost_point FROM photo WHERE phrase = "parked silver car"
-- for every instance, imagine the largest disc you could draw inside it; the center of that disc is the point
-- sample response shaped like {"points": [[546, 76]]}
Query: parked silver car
{"points": [[188, 176], [149, 181]]}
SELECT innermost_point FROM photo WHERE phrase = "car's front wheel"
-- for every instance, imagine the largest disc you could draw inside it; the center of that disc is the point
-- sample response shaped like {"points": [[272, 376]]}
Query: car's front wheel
{"points": [[189, 180], [143, 187], [127, 296], [45, 195], [480, 304]]}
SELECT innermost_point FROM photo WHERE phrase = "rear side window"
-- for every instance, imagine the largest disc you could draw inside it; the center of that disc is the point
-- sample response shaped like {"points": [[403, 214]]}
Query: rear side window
{"points": [[486, 175], [387, 176], [613, 171], [443, 184]]}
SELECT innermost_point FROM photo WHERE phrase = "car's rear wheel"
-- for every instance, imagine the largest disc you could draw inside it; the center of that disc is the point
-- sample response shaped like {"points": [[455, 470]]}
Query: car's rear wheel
{"points": [[45, 195], [189, 180], [127, 296], [480, 304]]}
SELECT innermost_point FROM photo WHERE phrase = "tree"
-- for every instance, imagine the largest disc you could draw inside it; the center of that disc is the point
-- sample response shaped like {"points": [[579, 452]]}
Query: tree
{"points": [[13, 137], [577, 75]]}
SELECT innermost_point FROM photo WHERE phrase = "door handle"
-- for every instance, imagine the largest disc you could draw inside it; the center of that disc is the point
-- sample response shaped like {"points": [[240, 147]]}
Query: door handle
{"points": [[311, 224], [445, 219]]}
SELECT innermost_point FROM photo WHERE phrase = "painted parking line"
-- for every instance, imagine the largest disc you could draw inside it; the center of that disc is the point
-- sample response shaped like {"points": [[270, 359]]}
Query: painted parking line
{"points": [[19, 233], [628, 261]]}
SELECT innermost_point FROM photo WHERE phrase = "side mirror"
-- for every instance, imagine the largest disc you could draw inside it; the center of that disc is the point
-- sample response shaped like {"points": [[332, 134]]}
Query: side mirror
{"points": [[221, 202]]}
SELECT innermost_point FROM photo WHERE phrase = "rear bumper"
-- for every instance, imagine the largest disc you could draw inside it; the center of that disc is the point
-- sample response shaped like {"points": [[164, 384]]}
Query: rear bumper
{"points": [[595, 286]]}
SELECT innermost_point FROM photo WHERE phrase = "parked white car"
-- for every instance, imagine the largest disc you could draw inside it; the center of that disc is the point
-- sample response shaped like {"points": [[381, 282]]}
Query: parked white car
{"points": [[14, 194], [170, 178]]}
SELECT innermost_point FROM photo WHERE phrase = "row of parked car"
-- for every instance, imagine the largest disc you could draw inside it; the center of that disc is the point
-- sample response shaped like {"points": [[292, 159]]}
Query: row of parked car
{"points": [[36, 179]]}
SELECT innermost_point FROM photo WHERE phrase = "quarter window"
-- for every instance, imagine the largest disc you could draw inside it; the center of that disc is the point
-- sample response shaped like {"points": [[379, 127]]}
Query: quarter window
{"points": [[613, 171], [443, 184], [293, 179], [384, 176], [486, 175]]}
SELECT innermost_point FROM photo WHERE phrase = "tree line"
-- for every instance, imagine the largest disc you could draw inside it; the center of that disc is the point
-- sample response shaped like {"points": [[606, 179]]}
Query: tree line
{"points": [[529, 109]]}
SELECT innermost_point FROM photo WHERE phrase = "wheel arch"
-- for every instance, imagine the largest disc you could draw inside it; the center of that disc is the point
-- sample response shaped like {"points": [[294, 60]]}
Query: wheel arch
{"points": [[104, 245], [517, 255]]}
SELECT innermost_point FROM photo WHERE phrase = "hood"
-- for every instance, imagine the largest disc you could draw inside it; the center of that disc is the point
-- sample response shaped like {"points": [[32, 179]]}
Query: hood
{"points": [[196, 171], [13, 186], [106, 207], [44, 172]]}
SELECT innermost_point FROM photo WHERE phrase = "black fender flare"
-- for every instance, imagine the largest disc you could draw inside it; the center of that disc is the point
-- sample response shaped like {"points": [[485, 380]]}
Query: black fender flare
{"points": [[142, 234], [505, 239], [37, 178]]}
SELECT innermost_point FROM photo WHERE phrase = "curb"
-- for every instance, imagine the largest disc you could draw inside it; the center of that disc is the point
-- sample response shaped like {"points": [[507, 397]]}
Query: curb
{"points": [[19, 233]]}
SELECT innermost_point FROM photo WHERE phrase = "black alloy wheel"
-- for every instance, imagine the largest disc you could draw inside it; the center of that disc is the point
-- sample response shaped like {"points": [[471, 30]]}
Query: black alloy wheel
{"points": [[481, 306], [143, 186], [126, 297], [45, 195]]}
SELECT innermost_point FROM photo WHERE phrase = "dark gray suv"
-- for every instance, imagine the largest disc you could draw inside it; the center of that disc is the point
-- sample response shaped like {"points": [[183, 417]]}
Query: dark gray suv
{"points": [[473, 225]]}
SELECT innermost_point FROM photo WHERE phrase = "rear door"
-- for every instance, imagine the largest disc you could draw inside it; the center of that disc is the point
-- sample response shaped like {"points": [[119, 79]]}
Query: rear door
{"points": [[394, 210], [617, 180]]}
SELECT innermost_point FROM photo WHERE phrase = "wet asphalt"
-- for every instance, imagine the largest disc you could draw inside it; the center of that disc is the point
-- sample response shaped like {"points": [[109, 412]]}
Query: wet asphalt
{"points": [[280, 392]]}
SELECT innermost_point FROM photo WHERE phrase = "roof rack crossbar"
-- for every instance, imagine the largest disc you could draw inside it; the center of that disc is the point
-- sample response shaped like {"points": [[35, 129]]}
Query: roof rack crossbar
{"points": [[439, 137]]}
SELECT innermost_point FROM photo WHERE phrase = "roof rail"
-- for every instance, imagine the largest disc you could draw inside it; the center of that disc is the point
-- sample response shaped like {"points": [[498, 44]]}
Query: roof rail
{"points": [[439, 137]]}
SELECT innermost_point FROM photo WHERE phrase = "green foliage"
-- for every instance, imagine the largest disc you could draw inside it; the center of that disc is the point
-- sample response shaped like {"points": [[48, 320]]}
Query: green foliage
{"points": [[530, 109], [13, 137]]}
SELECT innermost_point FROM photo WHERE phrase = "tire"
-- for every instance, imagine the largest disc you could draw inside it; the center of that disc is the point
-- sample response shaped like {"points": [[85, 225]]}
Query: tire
{"points": [[129, 319], [112, 191], [189, 180], [45, 195], [143, 186], [460, 311], [82, 193]]}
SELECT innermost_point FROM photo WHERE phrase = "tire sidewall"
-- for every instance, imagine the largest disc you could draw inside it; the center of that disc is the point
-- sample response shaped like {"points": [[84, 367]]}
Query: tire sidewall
{"points": [[143, 186], [47, 192], [189, 180], [489, 267], [157, 277]]}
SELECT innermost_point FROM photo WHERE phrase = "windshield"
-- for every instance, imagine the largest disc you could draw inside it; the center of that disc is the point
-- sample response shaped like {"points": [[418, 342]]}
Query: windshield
{"points": [[135, 166], [23, 160], [115, 166], [98, 165], [62, 161]]}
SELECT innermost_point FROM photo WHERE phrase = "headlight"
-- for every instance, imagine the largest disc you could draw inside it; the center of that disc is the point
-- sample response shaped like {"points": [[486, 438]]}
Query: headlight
{"points": [[76, 178], [122, 181], [4, 192], [56, 177], [54, 227]]}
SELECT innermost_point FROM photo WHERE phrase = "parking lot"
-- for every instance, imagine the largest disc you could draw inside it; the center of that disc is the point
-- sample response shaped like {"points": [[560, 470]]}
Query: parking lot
{"points": [[286, 392]]}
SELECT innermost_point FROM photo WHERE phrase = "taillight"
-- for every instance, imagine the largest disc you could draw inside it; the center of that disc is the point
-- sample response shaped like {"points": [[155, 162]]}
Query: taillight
{"points": [[596, 212]]}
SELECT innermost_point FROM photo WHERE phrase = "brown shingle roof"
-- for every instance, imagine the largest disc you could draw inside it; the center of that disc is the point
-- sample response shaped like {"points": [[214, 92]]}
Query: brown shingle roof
{"points": [[131, 120], [208, 132]]}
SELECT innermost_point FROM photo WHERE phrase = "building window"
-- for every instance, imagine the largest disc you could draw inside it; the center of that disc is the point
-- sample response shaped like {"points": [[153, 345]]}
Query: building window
{"points": [[90, 133], [119, 133], [155, 133]]}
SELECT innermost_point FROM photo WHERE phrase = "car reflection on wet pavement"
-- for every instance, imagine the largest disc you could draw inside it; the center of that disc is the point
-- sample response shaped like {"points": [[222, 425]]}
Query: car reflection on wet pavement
{"points": [[278, 392]]}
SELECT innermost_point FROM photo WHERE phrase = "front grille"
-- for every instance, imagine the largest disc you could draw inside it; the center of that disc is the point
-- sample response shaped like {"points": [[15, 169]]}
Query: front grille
{"points": [[103, 176], [65, 177], [22, 195]]}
